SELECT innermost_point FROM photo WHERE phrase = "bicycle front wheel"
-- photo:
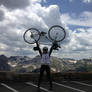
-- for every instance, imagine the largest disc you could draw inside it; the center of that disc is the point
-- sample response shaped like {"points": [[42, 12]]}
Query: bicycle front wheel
{"points": [[57, 33]]}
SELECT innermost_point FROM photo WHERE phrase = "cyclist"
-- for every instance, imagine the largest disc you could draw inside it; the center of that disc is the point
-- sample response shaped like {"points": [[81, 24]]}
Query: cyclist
{"points": [[45, 62]]}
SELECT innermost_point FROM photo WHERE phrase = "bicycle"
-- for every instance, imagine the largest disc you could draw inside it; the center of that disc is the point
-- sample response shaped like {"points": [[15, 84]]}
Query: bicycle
{"points": [[55, 34]]}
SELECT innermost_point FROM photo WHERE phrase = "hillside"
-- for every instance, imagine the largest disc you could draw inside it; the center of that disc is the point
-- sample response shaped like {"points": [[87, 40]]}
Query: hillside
{"points": [[22, 64], [4, 66]]}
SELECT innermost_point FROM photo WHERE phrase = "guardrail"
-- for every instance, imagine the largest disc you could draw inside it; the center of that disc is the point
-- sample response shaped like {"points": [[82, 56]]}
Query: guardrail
{"points": [[12, 76]]}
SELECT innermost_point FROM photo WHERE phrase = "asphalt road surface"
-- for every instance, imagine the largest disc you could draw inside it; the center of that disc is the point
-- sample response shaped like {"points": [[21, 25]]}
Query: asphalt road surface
{"points": [[62, 86]]}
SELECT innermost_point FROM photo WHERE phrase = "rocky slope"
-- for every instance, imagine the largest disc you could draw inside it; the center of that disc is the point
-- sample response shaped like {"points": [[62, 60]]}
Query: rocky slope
{"points": [[4, 66], [26, 64]]}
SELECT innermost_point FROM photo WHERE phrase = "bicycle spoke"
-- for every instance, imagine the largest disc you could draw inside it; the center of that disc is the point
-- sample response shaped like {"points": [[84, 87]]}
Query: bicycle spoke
{"points": [[56, 33], [31, 35]]}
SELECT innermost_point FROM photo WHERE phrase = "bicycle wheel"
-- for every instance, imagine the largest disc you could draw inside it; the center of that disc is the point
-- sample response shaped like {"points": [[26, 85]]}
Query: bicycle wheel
{"points": [[57, 33], [31, 35]]}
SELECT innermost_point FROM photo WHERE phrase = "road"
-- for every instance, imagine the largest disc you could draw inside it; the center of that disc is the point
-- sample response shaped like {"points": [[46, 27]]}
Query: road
{"points": [[62, 86]]}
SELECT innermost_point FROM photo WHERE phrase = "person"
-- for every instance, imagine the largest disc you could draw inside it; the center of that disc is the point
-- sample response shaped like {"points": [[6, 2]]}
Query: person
{"points": [[45, 63]]}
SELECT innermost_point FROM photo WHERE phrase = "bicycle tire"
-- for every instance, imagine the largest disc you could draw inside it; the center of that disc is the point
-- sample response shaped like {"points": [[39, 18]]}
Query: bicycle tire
{"points": [[63, 30], [24, 35]]}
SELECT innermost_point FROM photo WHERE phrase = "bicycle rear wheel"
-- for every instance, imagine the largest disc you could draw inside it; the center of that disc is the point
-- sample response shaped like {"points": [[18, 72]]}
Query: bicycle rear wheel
{"points": [[31, 35]]}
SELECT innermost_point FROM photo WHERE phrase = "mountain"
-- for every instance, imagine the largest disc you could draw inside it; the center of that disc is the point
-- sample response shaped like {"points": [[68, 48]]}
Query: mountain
{"points": [[26, 64], [4, 63], [23, 64]]}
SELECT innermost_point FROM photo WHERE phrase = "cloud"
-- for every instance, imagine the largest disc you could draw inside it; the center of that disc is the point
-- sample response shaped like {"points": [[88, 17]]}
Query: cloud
{"points": [[70, 0], [14, 23], [84, 19], [87, 1], [17, 21], [12, 4], [81, 39], [1, 15], [84, 1], [45, 1], [80, 45]]}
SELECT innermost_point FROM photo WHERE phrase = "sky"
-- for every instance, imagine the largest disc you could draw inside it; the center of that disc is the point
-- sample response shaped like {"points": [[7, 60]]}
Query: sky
{"points": [[75, 16]]}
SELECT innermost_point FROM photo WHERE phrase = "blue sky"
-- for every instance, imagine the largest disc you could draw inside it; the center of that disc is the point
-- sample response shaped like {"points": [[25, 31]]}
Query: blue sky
{"points": [[74, 6], [74, 15]]}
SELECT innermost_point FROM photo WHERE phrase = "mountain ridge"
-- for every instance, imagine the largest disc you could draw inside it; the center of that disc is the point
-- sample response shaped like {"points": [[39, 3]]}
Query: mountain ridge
{"points": [[23, 64]]}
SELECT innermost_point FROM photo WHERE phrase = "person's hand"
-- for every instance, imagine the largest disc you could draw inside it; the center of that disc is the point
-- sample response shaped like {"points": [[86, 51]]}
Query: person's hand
{"points": [[35, 48], [55, 46], [37, 43]]}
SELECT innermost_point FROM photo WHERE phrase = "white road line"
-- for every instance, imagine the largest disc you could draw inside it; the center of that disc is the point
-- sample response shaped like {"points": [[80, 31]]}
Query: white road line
{"points": [[69, 87], [10, 88], [82, 83], [29, 83]]}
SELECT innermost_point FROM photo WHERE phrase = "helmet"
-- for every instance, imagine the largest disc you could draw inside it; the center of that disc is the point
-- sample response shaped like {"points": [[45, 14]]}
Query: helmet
{"points": [[45, 48]]}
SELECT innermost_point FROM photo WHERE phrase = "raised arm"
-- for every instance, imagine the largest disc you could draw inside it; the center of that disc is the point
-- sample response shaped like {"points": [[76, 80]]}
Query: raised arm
{"points": [[53, 47], [39, 48]]}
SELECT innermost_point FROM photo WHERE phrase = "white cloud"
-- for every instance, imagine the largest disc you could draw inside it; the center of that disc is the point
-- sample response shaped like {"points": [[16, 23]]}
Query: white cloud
{"points": [[80, 45], [87, 1], [81, 39], [3, 46], [14, 23], [45, 1], [84, 1], [84, 19]]}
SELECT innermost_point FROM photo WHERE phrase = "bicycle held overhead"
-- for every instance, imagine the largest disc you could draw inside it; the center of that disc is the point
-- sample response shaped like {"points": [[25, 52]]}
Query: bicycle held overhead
{"points": [[55, 34]]}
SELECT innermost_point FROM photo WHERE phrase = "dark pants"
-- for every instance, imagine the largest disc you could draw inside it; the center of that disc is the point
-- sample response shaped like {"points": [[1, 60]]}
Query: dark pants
{"points": [[47, 69]]}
